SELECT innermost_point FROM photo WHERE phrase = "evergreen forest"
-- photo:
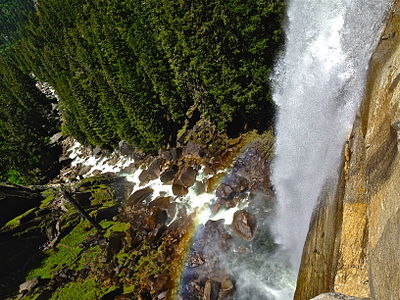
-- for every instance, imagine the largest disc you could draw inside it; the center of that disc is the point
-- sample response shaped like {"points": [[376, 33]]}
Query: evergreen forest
{"points": [[138, 71]]}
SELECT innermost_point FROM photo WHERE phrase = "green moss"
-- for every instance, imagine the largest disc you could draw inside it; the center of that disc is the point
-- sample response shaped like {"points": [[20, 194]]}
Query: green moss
{"points": [[116, 226], [88, 289], [67, 254], [102, 196], [16, 221], [49, 195]]}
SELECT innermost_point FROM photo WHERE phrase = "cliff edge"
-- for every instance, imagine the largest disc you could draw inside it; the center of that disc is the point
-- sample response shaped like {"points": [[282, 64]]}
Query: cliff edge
{"points": [[353, 243]]}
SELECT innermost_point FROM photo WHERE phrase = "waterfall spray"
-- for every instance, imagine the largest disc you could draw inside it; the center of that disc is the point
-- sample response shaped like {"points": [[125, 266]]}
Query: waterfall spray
{"points": [[318, 85]]}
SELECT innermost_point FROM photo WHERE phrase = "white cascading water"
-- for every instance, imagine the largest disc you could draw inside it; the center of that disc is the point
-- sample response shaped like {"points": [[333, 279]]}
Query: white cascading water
{"points": [[318, 86]]}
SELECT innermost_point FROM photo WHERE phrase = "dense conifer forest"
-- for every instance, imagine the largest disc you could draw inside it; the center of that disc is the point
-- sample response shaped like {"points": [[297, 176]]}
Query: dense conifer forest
{"points": [[138, 71]]}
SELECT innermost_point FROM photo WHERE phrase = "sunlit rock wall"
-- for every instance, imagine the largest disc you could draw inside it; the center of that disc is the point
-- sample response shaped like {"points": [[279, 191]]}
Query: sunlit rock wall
{"points": [[353, 243]]}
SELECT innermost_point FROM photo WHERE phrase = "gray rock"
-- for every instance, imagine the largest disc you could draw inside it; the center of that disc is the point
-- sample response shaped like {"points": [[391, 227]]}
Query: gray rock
{"points": [[125, 148], [56, 138]]}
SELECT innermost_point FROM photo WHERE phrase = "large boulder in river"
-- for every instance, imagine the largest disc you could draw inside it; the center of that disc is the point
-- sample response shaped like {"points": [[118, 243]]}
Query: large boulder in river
{"points": [[179, 189], [139, 196], [244, 225], [187, 177], [152, 172], [168, 175]]}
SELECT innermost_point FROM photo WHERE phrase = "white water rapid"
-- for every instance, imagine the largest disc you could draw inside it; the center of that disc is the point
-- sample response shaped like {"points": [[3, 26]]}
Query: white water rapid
{"points": [[318, 86]]}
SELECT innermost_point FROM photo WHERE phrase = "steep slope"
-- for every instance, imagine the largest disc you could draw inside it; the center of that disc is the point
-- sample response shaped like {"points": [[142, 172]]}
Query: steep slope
{"points": [[353, 240]]}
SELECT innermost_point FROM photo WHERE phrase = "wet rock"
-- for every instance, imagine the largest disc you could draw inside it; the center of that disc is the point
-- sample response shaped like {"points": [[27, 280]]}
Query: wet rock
{"points": [[193, 149], [164, 203], [114, 159], [195, 260], [168, 175], [152, 172], [225, 191], [29, 285], [157, 217], [84, 170], [129, 169], [187, 177], [214, 181], [97, 151], [211, 290], [125, 148], [244, 225], [171, 155], [96, 172], [227, 288], [139, 196], [154, 168], [179, 190], [242, 184], [176, 153]]}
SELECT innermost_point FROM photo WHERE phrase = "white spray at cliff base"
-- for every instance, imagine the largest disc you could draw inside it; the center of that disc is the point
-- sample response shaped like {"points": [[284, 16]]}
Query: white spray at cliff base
{"points": [[318, 85]]}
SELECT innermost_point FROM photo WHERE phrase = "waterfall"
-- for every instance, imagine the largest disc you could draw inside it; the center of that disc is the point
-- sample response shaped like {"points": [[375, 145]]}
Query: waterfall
{"points": [[318, 85]]}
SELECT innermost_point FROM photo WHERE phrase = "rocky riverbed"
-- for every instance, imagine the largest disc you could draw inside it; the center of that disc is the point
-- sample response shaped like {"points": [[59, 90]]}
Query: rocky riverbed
{"points": [[167, 219]]}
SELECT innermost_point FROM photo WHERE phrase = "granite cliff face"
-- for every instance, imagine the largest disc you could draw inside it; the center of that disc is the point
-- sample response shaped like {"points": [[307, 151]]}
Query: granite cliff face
{"points": [[353, 243]]}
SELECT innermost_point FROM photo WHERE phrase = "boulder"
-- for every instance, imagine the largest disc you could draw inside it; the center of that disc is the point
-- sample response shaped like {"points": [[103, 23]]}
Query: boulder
{"points": [[176, 153], [152, 172], [211, 290], [139, 196], [187, 177], [225, 191], [179, 190], [165, 203], [84, 170], [97, 151], [193, 149], [125, 148], [227, 288], [157, 217], [168, 175], [244, 225]]}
